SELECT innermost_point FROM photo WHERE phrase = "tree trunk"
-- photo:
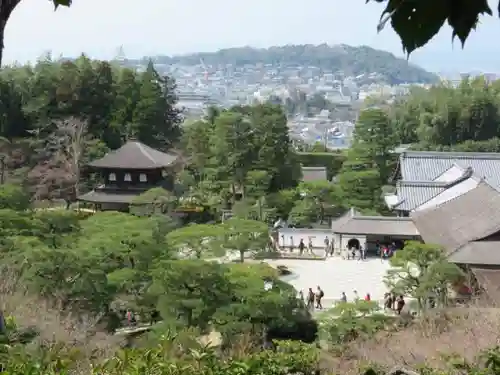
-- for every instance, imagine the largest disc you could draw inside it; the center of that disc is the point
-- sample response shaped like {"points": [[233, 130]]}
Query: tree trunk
{"points": [[3, 326], [3, 23], [6, 8]]}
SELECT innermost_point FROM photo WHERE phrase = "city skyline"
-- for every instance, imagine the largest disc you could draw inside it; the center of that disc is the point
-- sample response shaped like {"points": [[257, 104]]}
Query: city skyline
{"points": [[146, 28]]}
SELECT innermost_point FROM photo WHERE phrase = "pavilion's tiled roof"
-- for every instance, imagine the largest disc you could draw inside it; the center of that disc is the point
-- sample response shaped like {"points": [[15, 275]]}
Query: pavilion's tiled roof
{"points": [[135, 155], [108, 197]]}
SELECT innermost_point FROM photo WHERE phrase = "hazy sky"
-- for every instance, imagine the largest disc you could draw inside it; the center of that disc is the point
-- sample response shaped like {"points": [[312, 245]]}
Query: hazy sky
{"points": [[146, 27]]}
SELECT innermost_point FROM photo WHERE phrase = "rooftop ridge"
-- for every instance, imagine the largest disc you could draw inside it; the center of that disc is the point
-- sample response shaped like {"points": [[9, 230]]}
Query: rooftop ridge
{"points": [[467, 172], [450, 155], [134, 155], [422, 183], [144, 151], [382, 218], [483, 180]]}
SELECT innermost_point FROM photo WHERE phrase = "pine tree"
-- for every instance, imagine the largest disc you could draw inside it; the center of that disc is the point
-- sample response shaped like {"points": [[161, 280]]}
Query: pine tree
{"points": [[156, 119], [359, 179], [375, 133]]}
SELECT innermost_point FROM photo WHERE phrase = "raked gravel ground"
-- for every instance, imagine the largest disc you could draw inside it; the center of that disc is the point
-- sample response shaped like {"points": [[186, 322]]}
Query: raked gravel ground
{"points": [[336, 275]]}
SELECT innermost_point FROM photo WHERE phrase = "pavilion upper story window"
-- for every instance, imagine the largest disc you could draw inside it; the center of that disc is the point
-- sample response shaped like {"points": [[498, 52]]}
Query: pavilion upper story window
{"points": [[128, 177], [143, 177], [112, 177]]}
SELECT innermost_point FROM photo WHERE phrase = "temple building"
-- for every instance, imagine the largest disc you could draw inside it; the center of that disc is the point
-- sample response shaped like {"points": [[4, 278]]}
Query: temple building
{"points": [[128, 172], [426, 179]]}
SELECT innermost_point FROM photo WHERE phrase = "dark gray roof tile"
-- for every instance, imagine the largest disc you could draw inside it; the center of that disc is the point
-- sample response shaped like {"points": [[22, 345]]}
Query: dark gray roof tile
{"points": [[412, 194], [477, 253], [427, 166], [354, 223], [105, 197], [135, 155]]}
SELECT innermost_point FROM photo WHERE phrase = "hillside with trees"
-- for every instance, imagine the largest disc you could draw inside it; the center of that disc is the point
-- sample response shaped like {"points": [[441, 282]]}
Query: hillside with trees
{"points": [[352, 61], [199, 296]]}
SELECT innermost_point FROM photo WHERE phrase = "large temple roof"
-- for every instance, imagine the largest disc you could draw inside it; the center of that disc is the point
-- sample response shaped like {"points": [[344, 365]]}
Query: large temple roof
{"points": [[135, 155]]}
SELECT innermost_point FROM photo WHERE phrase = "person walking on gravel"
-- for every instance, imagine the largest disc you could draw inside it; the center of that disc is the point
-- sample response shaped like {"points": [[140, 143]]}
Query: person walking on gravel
{"points": [[319, 296]]}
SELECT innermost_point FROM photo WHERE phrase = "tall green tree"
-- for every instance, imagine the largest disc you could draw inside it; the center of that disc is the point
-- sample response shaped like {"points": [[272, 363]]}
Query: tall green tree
{"points": [[274, 147], [124, 106], [233, 149], [374, 133], [368, 163], [359, 180], [156, 120]]}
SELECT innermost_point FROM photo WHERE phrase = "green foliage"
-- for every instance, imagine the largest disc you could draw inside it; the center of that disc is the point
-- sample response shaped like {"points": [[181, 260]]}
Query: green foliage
{"points": [[241, 152], [352, 321], [198, 240], [14, 197], [422, 271], [173, 355], [228, 297], [375, 133], [449, 118], [326, 197], [114, 102], [191, 290], [154, 201], [304, 213], [243, 236], [57, 227], [360, 180], [418, 22], [369, 162]]}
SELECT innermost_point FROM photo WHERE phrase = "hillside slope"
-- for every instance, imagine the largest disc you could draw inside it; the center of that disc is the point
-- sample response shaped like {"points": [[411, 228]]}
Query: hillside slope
{"points": [[353, 61]]}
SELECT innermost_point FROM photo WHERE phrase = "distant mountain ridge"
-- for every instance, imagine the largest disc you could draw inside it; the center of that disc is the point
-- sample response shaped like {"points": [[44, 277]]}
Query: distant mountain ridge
{"points": [[353, 61]]}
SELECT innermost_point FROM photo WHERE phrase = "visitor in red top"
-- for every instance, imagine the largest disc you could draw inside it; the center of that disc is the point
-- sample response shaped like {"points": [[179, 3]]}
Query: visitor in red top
{"points": [[368, 297]]}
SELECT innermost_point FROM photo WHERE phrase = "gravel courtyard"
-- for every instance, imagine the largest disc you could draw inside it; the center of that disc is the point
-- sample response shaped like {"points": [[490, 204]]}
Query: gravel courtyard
{"points": [[336, 275]]}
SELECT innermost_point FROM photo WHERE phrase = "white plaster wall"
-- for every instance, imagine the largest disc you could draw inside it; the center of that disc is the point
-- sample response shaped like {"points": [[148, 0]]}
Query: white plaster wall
{"points": [[317, 236], [337, 237], [450, 175], [451, 193]]}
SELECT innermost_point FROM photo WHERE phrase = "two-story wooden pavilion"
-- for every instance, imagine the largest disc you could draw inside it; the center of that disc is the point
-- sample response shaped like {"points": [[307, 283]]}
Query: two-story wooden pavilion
{"points": [[128, 172]]}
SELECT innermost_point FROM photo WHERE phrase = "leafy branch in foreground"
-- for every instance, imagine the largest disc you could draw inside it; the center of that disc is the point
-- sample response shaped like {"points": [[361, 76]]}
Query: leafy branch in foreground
{"points": [[418, 21]]}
